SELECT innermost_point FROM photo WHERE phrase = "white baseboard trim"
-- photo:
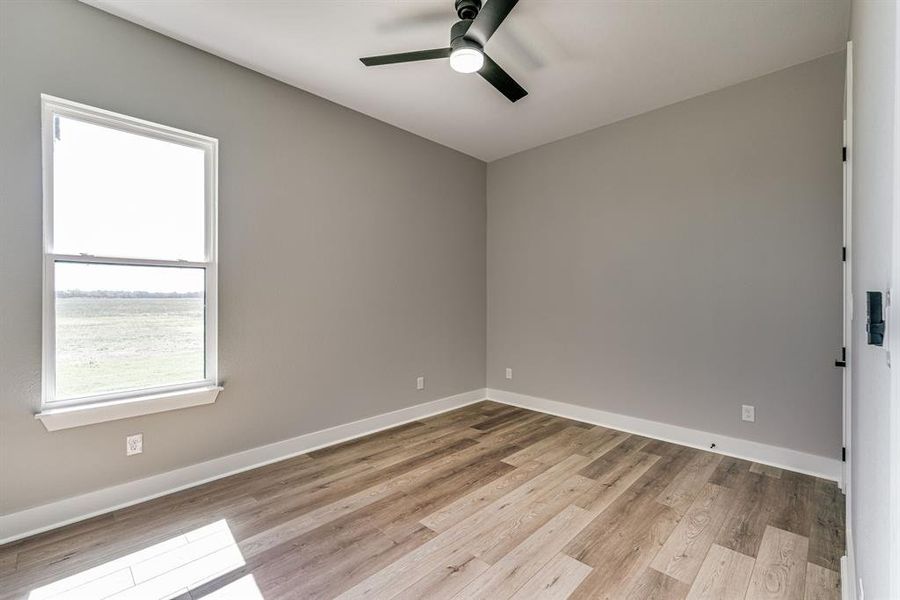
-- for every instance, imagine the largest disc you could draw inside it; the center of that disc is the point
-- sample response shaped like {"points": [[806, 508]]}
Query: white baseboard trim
{"points": [[42, 518], [793, 460]]}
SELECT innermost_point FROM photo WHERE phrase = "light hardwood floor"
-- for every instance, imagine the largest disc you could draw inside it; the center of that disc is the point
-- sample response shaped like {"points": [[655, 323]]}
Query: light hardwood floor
{"points": [[488, 501]]}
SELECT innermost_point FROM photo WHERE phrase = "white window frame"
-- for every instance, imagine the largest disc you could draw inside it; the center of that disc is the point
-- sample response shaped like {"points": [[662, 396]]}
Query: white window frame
{"points": [[156, 398]]}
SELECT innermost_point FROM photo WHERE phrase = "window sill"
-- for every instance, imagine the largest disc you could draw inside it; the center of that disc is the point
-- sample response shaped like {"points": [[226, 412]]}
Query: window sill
{"points": [[87, 414]]}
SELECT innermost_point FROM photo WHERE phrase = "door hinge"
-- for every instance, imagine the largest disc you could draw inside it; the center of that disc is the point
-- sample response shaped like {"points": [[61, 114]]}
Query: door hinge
{"points": [[843, 454], [843, 361], [844, 253], [844, 153]]}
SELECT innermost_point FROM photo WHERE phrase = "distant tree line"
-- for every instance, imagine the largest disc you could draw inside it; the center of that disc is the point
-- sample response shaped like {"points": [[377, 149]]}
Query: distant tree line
{"points": [[124, 294]]}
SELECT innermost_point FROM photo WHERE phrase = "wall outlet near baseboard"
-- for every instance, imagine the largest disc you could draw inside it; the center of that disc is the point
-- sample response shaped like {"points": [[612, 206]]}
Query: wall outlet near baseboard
{"points": [[508, 373], [134, 444], [748, 413], [420, 383]]}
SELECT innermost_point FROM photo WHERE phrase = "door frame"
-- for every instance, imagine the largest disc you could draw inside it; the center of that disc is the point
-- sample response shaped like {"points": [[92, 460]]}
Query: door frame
{"points": [[847, 317], [893, 457], [848, 570]]}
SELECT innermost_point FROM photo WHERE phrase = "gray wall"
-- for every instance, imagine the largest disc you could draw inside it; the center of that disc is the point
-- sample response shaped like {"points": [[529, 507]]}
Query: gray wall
{"points": [[352, 253], [681, 263], [873, 31]]}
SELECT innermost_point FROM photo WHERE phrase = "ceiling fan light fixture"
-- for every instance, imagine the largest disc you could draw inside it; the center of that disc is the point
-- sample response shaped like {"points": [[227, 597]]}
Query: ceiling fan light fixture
{"points": [[466, 60]]}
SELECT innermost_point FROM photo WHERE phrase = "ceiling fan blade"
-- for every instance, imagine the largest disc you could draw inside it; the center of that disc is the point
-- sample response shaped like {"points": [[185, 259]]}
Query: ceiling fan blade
{"points": [[488, 20], [498, 78], [388, 59]]}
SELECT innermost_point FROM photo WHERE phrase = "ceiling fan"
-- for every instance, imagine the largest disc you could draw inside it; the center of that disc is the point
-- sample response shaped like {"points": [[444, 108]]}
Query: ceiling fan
{"points": [[466, 52]]}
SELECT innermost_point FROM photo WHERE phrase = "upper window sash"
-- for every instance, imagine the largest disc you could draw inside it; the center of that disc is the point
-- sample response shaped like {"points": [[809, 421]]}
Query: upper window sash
{"points": [[53, 106]]}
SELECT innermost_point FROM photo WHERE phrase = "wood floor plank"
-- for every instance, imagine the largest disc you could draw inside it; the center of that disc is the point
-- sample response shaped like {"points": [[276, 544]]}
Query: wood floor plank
{"points": [[556, 580], [766, 470], [642, 494], [524, 561], [344, 546], [446, 580], [755, 499], [622, 541], [826, 536], [653, 585], [724, 575], [297, 526], [687, 484], [612, 457], [375, 440], [662, 448], [494, 544], [433, 495], [622, 554], [525, 432], [730, 472], [339, 471], [602, 442], [432, 508], [465, 416], [509, 415], [584, 443], [8, 563], [447, 516], [589, 438], [351, 563], [546, 450], [684, 551], [822, 583], [780, 569], [794, 510], [614, 483]]}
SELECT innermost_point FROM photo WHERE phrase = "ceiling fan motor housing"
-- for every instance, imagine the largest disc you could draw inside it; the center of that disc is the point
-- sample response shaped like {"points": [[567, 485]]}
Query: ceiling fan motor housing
{"points": [[468, 9], [457, 33]]}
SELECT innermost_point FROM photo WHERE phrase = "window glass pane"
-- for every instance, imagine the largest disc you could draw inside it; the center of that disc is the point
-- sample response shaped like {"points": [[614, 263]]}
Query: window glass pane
{"points": [[125, 195], [127, 327]]}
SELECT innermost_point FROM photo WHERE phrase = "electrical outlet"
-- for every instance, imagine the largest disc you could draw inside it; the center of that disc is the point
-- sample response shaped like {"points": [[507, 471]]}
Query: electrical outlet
{"points": [[420, 383], [134, 444], [748, 413], [508, 373]]}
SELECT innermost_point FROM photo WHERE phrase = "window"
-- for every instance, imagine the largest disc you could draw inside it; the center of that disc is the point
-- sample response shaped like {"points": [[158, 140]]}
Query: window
{"points": [[129, 258]]}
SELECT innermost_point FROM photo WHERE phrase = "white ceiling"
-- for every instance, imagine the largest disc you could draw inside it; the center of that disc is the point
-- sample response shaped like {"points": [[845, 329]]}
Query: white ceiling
{"points": [[585, 63]]}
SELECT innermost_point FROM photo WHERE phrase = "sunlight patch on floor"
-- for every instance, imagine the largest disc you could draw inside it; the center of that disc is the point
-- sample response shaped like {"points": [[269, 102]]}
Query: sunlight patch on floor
{"points": [[164, 570]]}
